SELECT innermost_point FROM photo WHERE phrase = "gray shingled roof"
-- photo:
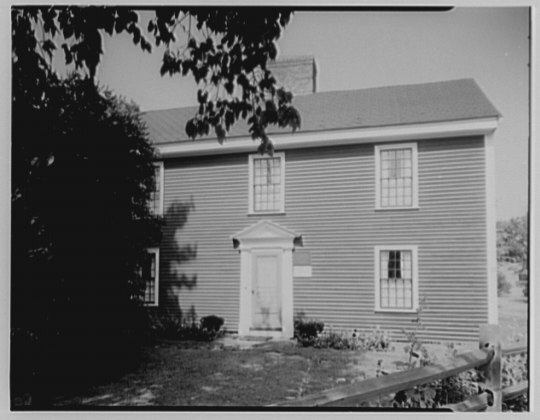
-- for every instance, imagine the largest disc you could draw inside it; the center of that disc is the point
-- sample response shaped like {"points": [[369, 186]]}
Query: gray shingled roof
{"points": [[374, 107]]}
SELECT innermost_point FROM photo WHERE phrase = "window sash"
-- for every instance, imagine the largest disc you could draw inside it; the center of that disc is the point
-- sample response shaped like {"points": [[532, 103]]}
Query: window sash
{"points": [[267, 184], [396, 177], [150, 275], [396, 279], [156, 199]]}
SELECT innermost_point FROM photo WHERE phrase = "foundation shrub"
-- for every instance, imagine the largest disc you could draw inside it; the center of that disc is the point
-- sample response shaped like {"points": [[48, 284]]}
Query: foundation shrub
{"points": [[377, 339], [306, 332], [313, 333], [330, 339], [169, 326]]}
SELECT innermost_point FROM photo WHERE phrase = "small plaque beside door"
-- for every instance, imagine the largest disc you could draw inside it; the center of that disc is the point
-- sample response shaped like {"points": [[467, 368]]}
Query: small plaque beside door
{"points": [[301, 263]]}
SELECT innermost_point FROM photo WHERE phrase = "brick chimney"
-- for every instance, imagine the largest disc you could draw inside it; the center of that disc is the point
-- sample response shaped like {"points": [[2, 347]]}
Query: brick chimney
{"points": [[297, 74]]}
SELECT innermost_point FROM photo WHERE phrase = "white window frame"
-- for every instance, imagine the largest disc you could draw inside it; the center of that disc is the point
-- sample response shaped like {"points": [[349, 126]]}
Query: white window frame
{"points": [[414, 156], [414, 259], [251, 207], [160, 165], [156, 285]]}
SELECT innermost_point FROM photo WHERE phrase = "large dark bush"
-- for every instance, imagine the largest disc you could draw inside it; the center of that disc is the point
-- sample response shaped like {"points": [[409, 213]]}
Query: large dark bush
{"points": [[82, 176]]}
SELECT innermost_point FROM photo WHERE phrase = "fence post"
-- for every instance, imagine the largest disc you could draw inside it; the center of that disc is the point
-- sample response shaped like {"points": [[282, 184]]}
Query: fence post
{"points": [[490, 338]]}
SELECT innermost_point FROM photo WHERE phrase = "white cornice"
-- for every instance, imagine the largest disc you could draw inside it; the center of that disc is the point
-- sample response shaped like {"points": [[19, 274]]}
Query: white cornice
{"points": [[333, 138]]}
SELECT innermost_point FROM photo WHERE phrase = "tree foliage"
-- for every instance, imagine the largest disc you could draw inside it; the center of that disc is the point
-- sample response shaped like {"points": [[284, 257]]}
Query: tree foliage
{"points": [[226, 50], [82, 171], [82, 176], [512, 240]]}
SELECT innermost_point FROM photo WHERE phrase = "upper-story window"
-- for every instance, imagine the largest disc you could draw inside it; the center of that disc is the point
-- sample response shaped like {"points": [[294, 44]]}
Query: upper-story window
{"points": [[267, 184], [156, 201], [396, 176]]}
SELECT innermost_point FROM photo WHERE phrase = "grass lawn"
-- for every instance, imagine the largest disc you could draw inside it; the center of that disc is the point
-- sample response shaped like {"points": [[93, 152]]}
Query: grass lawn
{"points": [[176, 376], [197, 374], [200, 375]]}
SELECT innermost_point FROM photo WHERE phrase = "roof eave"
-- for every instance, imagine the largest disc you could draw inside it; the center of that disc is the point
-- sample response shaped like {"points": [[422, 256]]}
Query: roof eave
{"points": [[407, 132]]}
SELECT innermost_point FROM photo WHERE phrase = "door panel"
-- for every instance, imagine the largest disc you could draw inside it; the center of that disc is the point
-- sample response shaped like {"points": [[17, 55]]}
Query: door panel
{"points": [[266, 291]]}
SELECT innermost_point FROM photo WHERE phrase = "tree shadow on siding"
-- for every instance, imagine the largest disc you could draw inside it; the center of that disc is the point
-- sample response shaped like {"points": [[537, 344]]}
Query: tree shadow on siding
{"points": [[175, 255]]}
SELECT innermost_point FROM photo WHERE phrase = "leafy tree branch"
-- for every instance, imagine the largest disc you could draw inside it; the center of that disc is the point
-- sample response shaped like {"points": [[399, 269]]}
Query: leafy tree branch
{"points": [[512, 240], [225, 50]]}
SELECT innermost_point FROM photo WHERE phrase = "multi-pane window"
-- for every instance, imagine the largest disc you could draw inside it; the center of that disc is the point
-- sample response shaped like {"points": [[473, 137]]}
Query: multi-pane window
{"points": [[156, 201], [149, 272], [396, 172], [396, 178], [396, 278], [266, 184]]}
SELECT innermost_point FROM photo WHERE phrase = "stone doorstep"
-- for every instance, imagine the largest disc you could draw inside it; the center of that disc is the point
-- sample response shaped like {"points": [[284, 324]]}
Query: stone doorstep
{"points": [[244, 341], [254, 338]]}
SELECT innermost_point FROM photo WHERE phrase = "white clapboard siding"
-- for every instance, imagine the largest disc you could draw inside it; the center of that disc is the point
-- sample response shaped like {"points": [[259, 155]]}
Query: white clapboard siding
{"points": [[330, 200]]}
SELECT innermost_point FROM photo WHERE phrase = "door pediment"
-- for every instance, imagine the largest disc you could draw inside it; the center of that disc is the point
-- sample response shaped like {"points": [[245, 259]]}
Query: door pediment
{"points": [[265, 232]]}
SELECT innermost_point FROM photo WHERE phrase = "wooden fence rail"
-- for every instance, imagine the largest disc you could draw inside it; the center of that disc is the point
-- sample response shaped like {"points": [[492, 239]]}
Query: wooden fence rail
{"points": [[486, 400], [511, 392], [487, 359], [475, 403], [514, 351], [371, 388]]}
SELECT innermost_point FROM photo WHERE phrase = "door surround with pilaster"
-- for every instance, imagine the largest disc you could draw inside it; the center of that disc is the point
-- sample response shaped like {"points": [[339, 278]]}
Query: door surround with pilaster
{"points": [[266, 238]]}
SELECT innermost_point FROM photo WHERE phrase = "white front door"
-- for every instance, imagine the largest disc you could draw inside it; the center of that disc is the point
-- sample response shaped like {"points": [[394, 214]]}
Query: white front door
{"points": [[266, 314], [266, 279]]}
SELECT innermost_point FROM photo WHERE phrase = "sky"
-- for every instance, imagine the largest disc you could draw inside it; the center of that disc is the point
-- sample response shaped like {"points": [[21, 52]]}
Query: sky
{"points": [[355, 50]]}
